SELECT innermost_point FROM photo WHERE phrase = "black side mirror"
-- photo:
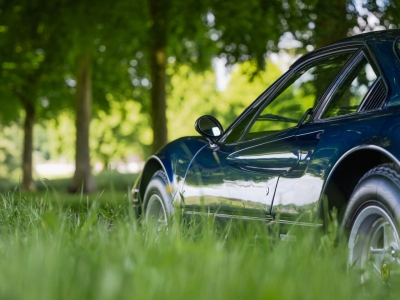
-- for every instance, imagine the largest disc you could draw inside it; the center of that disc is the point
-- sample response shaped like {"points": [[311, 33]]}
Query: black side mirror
{"points": [[209, 127]]}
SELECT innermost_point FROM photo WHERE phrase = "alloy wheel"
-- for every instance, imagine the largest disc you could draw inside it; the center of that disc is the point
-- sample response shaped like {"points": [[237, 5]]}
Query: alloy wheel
{"points": [[374, 245], [156, 213]]}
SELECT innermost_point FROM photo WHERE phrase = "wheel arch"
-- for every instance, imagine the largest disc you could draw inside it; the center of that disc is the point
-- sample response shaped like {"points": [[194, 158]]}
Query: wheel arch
{"points": [[152, 165], [347, 172]]}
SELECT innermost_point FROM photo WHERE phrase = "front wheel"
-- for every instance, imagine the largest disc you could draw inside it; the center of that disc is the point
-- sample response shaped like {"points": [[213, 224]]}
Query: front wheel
{"points": [[372, 217], [157, 201]]}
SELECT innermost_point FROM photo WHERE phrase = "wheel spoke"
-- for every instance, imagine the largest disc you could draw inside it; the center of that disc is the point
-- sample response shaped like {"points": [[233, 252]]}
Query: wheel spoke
{"points": [[376, 259], [387, 236], [377, 251], [376, 256]]}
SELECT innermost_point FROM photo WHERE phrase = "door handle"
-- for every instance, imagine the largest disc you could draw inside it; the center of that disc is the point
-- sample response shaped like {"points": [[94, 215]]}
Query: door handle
{"points": [[260, 164]]}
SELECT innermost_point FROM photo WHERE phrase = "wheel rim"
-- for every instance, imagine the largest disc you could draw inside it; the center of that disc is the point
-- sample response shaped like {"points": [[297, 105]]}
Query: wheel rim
{"points": [[155, 212], [374, 244]]}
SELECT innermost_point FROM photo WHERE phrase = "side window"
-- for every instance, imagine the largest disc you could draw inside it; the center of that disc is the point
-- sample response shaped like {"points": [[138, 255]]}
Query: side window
{"points": [[349, 96], [301, 92], [239, 129]]}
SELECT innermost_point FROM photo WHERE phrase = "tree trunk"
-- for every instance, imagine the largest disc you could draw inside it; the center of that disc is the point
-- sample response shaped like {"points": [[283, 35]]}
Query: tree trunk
{"points": [[83, 179], [27, 164], [331, 24], [157, 54]]}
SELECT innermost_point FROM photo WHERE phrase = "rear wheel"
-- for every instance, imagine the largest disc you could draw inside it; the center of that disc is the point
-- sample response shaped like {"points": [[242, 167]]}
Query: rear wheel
{"points": [[372, 219], [157, 201]]}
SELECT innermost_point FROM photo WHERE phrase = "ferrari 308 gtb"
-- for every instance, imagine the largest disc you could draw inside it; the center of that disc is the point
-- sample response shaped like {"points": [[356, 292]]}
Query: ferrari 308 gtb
{"points": [[329, 128]]}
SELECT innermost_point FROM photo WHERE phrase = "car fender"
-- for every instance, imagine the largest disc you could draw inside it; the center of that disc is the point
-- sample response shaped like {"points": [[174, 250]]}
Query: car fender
{"points": [[174, 159]]}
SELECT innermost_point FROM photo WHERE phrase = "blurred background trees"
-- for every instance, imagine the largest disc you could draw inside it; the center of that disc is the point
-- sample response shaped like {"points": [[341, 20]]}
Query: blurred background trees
{"points": [[95, 85], [31, 55]]}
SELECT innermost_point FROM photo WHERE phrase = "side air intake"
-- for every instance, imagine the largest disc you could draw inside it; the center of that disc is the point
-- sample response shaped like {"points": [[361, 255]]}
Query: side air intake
{"points": [[376, 97]]}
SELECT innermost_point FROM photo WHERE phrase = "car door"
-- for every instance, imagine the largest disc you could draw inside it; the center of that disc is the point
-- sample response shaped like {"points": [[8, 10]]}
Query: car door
{"points": [[341, 122], [239, 175]]}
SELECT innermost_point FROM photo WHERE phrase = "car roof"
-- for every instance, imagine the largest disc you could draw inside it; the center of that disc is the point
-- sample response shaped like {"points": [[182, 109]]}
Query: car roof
{"points": [[371, 38]]}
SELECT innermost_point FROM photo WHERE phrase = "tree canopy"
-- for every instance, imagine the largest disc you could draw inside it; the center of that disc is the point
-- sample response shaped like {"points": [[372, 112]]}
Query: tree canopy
{"points": [[122, 73]]}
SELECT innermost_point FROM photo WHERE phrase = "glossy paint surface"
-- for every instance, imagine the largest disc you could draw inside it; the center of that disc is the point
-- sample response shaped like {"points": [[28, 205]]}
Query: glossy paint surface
{"points": [[285, 173]]}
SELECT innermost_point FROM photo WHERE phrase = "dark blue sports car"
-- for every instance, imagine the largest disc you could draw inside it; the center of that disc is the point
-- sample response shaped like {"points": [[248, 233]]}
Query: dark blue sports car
{"points": [[329, 128]]}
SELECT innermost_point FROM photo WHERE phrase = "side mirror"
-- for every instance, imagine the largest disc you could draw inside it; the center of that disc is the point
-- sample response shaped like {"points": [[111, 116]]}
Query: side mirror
{"points": [[209, 127]]}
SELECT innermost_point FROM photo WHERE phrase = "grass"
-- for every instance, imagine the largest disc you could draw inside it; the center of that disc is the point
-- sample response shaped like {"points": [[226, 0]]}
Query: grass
{"points": [[113, 190], [106, 180], [88, 250]]}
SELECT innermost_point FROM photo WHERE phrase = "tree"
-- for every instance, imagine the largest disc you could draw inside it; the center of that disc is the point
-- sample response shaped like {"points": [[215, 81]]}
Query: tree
{"points": [[29, 43], [158, 62], [371, 15], [83, 177], [43, 49], [174, 24], [245, 31], [331, 23], [98, 34]]}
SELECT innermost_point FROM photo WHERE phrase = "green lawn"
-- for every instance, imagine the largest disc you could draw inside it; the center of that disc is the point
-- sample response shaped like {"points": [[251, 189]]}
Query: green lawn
{"points": [[113, 189], [104, 180], [56, 247]]}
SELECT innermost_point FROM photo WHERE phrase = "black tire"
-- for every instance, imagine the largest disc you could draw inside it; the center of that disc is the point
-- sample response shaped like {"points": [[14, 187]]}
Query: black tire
{"points": [[371, 219], [157, 202]]}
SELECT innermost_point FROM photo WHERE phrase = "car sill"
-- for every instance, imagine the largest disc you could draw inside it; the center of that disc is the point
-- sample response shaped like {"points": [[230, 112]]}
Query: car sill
{"points": [[249, 218]]}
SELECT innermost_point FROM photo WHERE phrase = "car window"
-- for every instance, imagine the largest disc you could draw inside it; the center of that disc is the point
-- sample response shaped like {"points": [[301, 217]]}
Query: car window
{"points": [[301, 92], [349, 96], [240, 127]]}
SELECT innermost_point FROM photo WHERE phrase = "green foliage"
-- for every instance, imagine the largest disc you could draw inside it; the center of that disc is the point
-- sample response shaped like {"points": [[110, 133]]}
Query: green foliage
{"points": [[10, 143], [247, 28], [31, 56], [121, 131], [57, 137], [245, 87], [372, 15], [194, 94], [191, 95]]}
